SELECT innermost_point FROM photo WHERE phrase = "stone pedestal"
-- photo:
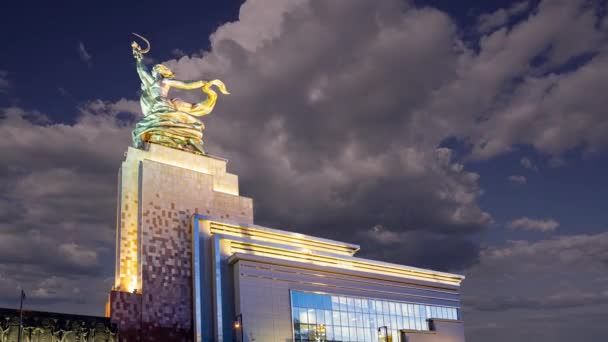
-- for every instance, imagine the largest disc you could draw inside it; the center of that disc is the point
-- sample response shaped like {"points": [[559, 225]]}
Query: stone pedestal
{"points": [[158, 192]]}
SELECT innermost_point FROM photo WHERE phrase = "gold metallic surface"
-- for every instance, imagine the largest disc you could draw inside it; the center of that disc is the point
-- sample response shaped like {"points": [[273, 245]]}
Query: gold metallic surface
{"points": [[170, 121], [134, 44]]}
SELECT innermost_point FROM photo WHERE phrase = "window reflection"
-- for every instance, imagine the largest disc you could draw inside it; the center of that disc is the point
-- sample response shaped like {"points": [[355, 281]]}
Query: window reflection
{"points": [[322, 317]]}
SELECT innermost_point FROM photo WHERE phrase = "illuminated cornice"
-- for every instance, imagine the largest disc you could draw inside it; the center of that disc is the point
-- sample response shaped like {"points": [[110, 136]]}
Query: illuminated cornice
{"points": [[281, 245], [259, 233]]}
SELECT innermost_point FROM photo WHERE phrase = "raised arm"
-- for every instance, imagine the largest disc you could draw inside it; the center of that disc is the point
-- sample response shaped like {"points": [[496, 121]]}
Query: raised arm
{"points": [[184, 85], [142, 71], [144, 74]]}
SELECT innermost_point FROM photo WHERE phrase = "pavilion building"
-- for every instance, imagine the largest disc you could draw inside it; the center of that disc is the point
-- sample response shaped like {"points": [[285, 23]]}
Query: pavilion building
{"points": [[191, 265]]}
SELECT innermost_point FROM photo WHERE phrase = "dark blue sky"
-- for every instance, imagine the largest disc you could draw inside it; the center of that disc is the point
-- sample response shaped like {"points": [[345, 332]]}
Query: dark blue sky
{"points": [[43, 55], [515, 90], [41, 41]]}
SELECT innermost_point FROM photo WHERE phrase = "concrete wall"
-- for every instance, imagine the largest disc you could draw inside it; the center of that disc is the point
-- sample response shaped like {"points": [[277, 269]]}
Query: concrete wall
{"points": [[443, 331]]}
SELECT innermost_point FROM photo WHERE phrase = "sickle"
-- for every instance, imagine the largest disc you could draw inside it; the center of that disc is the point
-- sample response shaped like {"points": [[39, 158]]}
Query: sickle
{"points": [[147, 49]]}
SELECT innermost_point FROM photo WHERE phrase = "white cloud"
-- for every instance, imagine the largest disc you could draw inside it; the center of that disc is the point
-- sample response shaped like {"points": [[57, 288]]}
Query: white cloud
{"points": [[492, 21], [58, 205], [178, 53], [4, 82], [528, 163], [322, 100], [79, 255], [518, 87], [260, 21], [517, 179], [545, 290], [540, 225], [84, 54]]}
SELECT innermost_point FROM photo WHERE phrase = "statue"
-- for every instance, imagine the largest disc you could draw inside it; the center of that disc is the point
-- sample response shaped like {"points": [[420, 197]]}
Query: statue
{"points": [[74, 332], [101, 333], [3, 331], [12, 330], [170, 122], [45, 333]]}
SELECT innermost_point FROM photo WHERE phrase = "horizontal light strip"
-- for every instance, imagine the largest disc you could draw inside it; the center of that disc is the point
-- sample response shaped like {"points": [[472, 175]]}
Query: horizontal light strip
{"points": [[257, 234], [341, 289], [285, 254], [349, 278]]}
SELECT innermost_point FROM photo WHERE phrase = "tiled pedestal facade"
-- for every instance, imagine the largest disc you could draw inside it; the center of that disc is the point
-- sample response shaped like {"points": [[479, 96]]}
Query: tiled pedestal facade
{"points": [[159, 191], [125, 309]]}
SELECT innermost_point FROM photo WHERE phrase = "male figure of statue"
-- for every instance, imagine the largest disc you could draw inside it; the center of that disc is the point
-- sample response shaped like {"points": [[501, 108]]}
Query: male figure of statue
{"points": [[170, 121]]}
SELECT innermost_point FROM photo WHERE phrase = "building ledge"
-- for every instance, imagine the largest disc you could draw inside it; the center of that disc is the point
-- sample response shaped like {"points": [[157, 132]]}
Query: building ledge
{"points": [[343, 271]]}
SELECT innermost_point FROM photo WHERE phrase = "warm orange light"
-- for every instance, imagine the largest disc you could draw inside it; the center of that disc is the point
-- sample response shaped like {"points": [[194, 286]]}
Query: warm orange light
{"points": [[337, 261]]}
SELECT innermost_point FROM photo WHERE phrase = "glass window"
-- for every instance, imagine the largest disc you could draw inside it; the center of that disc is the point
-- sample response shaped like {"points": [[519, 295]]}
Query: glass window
{"points": [[356, 319], [335, 303], [379, 307], [359, 332], [295, 314], [393, 322], [343, 306], [385, 308], [423, 324], [329, 332], [392, 308], [352, 319], [357, 305], [364, 305], [417, 324], [411, 323], [295, 299], [433, 312], [303, 316], [373, 321], [359, 319], [338, 333], [410, 310], [366, 320], [398, 309], [312, 319], [320, 316], [345, 334], [344, 318], [421, 311], [380, 319], [304, 331], [353, 333], [350, 303], [335, 315], [449, 313]]}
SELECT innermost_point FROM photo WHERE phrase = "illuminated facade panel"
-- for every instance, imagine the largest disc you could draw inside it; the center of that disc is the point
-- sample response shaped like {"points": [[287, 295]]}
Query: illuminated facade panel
{"points": [[251, 271]]}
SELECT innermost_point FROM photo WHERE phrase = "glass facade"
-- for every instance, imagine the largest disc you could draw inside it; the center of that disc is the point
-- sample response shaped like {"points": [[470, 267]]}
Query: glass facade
{"points": [[324, 317]]}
